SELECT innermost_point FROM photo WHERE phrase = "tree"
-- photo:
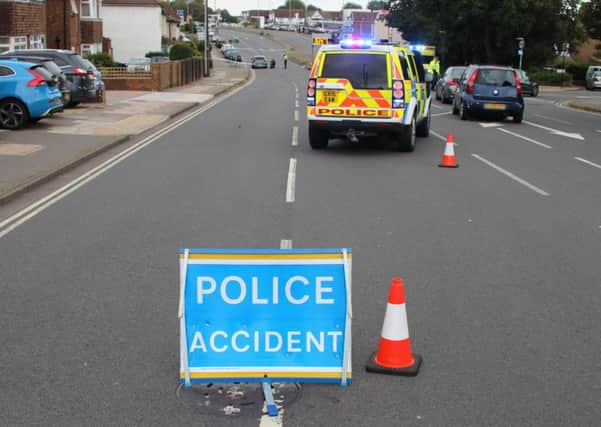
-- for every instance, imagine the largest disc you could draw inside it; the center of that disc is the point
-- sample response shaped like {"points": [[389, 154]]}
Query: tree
{"points": [[293, 4], [351, 5], [226, 17], [377, 5], [485, 31], [312, 7], [590, 16], [196, 8]]}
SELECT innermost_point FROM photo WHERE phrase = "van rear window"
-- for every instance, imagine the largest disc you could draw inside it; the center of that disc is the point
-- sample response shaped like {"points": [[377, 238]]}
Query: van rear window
{"points": [[495, 77], [363, 70]]}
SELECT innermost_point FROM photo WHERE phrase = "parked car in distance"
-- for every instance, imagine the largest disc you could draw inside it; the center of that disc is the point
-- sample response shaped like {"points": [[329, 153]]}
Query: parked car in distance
{"points": [[529, 87], [259, 61], [28, 93], [80, 78], [593, 77], [446, 86], [54, 69], [489, 89], [232, 54], [138, 64]]}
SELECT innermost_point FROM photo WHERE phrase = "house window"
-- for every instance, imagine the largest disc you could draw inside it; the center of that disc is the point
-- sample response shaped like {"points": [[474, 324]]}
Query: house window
{"points": [[86, 49], [37, 42], [19, 42], [89, 8], [4, 44]]}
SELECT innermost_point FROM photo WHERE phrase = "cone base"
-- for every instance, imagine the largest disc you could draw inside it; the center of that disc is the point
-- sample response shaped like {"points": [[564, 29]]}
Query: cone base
{"points": [[447, 166], [409, 371]]}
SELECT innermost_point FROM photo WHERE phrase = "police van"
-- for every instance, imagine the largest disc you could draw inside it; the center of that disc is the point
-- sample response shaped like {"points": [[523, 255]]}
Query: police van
{"points": [[359, 89]]}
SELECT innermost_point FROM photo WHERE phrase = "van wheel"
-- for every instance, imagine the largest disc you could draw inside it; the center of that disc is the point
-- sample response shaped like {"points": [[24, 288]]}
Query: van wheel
{"points": [[13, 114], [405, 141], [423, 129], [535, 92], [318, 139]]}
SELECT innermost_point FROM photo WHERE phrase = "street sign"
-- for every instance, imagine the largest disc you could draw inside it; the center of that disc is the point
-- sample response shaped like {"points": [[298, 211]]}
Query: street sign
{"points": [[265, 315], [520, 52], [181, 12]]}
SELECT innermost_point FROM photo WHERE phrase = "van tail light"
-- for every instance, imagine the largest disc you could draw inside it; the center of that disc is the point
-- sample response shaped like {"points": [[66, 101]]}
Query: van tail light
{"points": [[37, 81], [311, 88], [471, 82], [518, 83], [398, 94]]}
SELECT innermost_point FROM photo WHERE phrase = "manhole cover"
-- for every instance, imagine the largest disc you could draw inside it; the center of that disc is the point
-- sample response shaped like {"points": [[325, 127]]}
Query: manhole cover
{"points": [[235, 400]]}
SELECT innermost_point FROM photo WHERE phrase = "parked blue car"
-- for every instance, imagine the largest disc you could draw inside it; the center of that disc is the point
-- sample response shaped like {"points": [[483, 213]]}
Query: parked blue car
{"points": [[489, 89], [28, 93]]}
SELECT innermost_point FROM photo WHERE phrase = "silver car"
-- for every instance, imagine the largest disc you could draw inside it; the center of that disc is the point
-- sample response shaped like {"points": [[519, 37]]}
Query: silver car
{"points": [[593, 77]]}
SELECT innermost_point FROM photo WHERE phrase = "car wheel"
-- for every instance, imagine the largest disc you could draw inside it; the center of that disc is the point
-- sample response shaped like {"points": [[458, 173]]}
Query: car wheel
{"points": [[436, 95], [405, 141], [455, 109], [423, 129], [318, 139], [535, 91], [462, 112], [517, 118], [13, 114]]}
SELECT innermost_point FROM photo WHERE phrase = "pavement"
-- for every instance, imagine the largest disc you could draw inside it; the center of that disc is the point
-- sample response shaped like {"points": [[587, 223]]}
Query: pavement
{"points": [[43, 150], [500, 259]]}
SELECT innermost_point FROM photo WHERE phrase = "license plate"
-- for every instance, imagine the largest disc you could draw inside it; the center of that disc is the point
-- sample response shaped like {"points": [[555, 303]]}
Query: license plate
{"points": [[494, 106], [328, 96], [58, 101]]}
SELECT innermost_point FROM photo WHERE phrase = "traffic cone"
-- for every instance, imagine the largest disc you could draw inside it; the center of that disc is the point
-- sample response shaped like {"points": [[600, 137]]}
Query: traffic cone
{"points": [[394, 352], [448, 158]]}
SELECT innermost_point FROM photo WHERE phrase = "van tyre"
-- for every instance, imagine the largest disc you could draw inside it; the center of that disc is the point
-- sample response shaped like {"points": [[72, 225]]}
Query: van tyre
{"points": [[423, 129], [13, 114], [405, 141], [318, 139]]}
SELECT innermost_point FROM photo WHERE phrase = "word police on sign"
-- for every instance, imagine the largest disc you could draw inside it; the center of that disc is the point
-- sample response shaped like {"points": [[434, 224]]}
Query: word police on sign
{"points": [[265, 315]]}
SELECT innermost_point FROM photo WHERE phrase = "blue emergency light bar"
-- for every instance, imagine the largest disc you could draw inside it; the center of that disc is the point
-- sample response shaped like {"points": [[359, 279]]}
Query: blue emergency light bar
{"points": [[418, 47], [355, 44]]}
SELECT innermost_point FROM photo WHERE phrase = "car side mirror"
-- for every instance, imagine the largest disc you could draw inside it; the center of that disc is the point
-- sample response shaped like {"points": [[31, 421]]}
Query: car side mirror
{"points": [[429, 77]]}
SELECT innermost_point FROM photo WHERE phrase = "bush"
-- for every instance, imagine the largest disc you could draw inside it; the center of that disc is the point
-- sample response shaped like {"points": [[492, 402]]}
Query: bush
{"points": [[181, 51], [188, 28], [544, 77], [101, 59], [578, 71], [155, 53]]}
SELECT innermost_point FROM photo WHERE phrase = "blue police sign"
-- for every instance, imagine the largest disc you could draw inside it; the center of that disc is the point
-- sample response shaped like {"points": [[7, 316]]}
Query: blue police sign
{"points": [[520, 52], [265, 315]]}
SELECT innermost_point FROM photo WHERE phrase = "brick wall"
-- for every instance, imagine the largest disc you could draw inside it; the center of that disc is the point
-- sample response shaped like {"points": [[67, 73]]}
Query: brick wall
{"points": [[22, 19], [62, 26], [91, 31]]}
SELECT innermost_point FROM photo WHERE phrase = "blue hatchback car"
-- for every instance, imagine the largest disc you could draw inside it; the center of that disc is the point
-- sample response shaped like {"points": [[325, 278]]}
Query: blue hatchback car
{"points": [[489, 89], [28, 93]]}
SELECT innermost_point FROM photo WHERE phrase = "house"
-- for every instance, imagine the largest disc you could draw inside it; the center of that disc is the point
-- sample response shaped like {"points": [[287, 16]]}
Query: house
{"points": [[383, 32], [22, 25], [169, 25], [55, 24], [246, 15], [287, 17], [137, 27]]}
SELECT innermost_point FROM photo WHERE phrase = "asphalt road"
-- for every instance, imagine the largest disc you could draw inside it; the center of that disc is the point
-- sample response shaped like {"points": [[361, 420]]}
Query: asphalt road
{"points": [[500, 257]]}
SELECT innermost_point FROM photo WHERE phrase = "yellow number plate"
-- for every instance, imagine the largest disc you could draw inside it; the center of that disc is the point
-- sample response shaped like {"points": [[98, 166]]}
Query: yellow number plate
{"points": [[328, 96], [494, 106]]}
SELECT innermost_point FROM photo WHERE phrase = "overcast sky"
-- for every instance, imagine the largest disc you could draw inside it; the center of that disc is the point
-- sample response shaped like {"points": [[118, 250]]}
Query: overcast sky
{"points": [[236, 6]]}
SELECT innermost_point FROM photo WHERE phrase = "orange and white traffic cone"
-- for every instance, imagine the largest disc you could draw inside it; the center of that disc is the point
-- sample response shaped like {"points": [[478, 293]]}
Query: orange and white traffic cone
{"points": [[448, 158], [394, 352]]}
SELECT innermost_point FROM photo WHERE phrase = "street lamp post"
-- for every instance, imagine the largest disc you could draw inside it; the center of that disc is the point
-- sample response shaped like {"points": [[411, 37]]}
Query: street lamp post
{"points": [[206, 47]]}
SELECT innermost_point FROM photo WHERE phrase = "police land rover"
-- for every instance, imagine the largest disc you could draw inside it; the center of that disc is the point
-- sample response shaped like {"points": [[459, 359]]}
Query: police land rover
{"points": [[359, 89]]}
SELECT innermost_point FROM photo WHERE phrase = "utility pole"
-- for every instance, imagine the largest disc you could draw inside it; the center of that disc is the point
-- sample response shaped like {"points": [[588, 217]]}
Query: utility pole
{"points": [[206, 47], [289, 13]]}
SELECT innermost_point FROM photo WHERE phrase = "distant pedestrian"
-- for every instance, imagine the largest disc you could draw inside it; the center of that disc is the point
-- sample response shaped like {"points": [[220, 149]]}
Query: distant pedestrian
{"points": [[285, 57]]}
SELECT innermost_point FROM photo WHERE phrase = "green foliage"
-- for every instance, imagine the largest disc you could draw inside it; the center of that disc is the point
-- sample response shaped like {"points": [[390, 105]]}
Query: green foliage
{"points": [[182, 51], [562, 61], [485, 31], [312, 7], [101, 59], [544, 77], [590, 16], [294, 4], [227, 18], [196, 8], [578, 71], [351, 5], [152, 54], [377, 5], [188, 28]]}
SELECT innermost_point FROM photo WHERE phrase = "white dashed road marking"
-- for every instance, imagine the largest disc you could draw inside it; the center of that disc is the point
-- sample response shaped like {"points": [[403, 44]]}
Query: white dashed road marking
{"points": [[525, 138], [296, 115], [441, 114], [294, 136], [512, 176], [291, 183], [588, 162]]}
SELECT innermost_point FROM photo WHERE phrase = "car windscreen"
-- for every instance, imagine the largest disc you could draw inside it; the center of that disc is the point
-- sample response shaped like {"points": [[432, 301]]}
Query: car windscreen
{"points": [[456, 72], [495, 77], [77, 61], [47, 75], [363, 70], [52, 67]]}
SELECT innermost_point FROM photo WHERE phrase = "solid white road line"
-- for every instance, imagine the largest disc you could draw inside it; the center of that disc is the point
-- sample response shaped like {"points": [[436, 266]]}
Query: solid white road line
{"points": [[442, 114], [296, 115], [291, 183], [437, 135], [39, 206], [525, 138], [437, 106], [556, 131], [510, 175], [588, 162], [294, 136], [553, 119]]}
